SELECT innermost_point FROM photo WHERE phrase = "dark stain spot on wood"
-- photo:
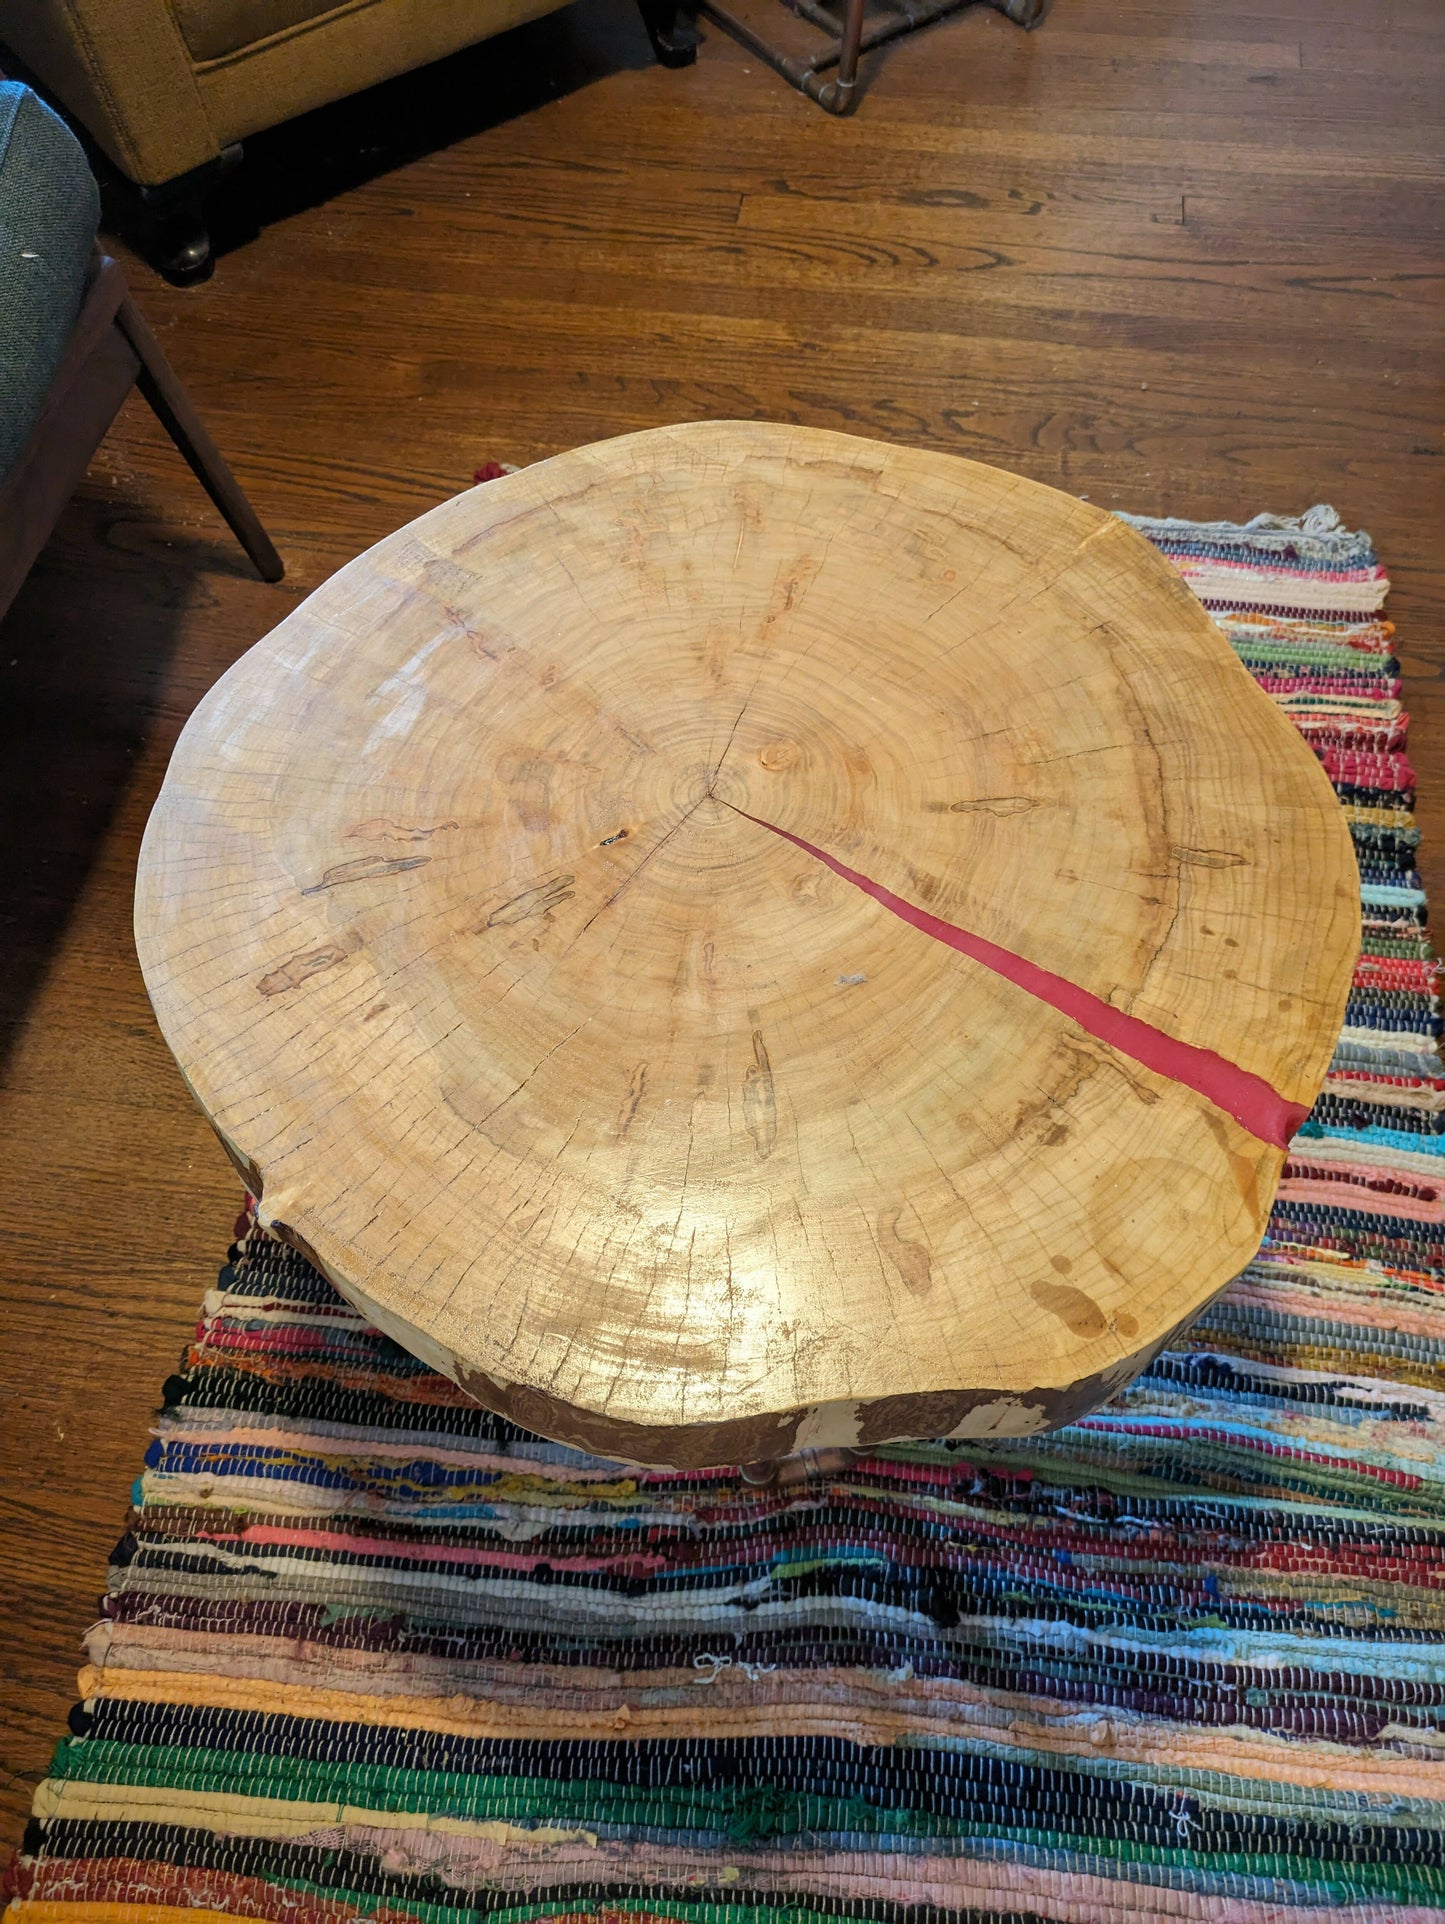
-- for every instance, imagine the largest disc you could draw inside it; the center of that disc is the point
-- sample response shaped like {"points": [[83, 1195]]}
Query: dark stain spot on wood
{"points": [[760, 1105], [380, 829], [366, 868], [1079, 1313], [376, 1009], [1209, 858], [1246, 1176], [996, 805], [636, 1089], [911, 1260], [1125, 1325], [1059, 1133], [296, 969], [535, 901], [921, 882], [532, 795], [1061, 1263], [1100, 1056]]}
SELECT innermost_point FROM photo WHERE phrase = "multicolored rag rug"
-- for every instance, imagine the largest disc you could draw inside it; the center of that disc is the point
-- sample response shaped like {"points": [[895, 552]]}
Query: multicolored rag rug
{"points": [[367, 1651]]}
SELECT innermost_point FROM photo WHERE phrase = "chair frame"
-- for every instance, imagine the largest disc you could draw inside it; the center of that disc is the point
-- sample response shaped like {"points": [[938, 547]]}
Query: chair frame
{"points": [[111, 350]]}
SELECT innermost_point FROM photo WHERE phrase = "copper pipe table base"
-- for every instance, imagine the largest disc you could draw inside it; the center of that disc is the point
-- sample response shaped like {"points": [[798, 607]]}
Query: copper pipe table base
{"points": [[835, 92]]}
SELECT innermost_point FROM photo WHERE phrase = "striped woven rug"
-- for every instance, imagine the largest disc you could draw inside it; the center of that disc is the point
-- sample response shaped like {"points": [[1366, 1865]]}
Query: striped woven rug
{"points": [[367, 1651]]}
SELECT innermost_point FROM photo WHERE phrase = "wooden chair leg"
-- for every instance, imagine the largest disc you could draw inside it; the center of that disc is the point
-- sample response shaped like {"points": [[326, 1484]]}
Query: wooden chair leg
{"points": [[159, 383]]}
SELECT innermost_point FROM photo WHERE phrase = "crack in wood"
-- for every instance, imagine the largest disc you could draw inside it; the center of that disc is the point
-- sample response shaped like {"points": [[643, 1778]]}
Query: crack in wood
{"points": [[1254, 1103]]}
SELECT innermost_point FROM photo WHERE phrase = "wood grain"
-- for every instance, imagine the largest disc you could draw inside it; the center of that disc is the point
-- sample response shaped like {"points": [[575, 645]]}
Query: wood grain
{"points": [[687, 1142], [393, 320]]}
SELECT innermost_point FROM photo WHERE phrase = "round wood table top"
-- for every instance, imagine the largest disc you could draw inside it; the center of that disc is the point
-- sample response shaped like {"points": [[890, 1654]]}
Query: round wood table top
{"points": [[740, 938]]}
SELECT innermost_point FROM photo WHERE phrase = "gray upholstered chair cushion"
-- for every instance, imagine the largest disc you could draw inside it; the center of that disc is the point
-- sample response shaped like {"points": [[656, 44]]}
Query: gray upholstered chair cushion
{"points": [[49, 210]]}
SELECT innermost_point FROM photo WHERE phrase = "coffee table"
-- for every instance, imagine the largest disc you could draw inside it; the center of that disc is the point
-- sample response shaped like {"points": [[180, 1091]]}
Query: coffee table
{"points": [[741, 938]]}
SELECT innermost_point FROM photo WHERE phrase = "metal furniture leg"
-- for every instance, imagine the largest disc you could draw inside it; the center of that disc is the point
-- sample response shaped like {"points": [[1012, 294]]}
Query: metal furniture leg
{"points": [[836, 93]]}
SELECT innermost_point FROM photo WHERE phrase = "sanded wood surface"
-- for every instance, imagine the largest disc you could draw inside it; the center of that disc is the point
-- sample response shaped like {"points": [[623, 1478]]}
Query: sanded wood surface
{"points": [[556, 918], [1179, 258]]}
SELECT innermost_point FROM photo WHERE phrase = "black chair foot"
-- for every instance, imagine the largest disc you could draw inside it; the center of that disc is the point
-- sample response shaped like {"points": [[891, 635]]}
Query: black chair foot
{"points": [[167, 224], [178, 248], [674, 38]]}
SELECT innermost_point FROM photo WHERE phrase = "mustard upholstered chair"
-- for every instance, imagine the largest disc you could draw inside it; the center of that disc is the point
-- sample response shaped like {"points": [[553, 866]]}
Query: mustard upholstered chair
{"points": [[166, 89]]}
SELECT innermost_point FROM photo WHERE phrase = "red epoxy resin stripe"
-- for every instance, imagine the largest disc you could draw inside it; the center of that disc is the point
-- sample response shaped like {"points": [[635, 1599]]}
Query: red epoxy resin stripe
{"points": [[1256, 1105]]}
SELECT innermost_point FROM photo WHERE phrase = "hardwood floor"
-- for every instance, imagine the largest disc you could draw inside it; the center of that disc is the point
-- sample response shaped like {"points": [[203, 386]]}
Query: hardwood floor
{"points": [[1181, 256]]}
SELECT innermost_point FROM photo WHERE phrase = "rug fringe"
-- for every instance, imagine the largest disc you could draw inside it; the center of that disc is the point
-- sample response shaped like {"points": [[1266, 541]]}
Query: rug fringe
{"points": [[1317, 534], [1321, 519]]}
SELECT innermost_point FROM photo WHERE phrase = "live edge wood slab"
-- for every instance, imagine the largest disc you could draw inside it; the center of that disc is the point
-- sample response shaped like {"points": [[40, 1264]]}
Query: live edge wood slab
{"points": [[739, 938]]}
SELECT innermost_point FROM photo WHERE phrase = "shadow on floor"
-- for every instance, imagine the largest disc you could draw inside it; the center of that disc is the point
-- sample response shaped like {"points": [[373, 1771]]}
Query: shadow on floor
{"points": [[86, 654], [308, 161]]}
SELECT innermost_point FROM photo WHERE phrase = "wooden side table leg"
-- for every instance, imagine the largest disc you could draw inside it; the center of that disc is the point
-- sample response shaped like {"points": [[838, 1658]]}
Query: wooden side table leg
{"points": [[173, 407]]}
